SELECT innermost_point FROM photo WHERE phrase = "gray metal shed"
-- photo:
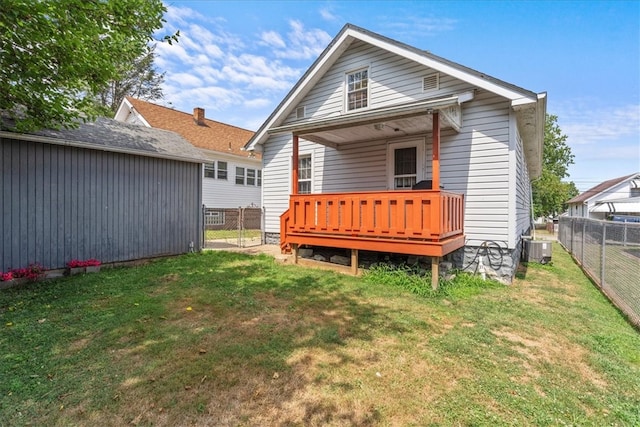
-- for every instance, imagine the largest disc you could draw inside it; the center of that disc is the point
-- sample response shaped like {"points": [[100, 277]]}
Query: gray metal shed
{"points": [[106, 190]]}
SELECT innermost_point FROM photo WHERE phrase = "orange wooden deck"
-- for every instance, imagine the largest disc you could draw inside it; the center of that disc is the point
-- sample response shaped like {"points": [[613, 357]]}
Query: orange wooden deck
{"points": [[414, 222]]}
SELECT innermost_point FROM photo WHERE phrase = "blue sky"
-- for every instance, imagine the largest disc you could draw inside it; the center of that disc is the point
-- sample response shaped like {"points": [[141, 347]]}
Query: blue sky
{"points": [[238, 59]]}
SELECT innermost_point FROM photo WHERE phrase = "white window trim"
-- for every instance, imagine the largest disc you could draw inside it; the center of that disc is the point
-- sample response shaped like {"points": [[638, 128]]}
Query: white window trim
{"points": [[212, 167], [391, 146], [310, 179], [346, 88], [218, 170], [214, 217], [244, 176], [255, 177], [313, 174]]}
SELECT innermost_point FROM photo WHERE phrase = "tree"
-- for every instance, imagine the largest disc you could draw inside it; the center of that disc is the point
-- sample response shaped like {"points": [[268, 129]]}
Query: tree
{"points": [[56, 55], [138, 79], [550, 193]]}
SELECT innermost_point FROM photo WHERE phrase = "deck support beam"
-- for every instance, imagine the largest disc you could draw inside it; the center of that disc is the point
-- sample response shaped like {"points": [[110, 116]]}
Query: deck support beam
{"points": [[354, 262], [435, 273], [294, 249]]}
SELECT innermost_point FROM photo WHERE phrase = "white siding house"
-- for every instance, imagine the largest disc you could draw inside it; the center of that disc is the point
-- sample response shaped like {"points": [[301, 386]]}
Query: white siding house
{"points": [[375, 115], [614, 197], [231, 178]]}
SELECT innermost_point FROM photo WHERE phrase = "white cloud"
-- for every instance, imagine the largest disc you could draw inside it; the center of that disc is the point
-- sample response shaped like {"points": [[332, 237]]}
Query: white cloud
{"points": [[257, 103], [184, 80], [304, 43], [201, 35], [271, 38], [327, 14], [209, 74], [301, 43], [585, 125], [168, 56], [213, 51]]}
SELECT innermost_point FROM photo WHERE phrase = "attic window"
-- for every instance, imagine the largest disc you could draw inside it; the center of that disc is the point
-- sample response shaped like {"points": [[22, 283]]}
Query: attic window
{"points": [[431, 82], [358, 89], [301, 112]]}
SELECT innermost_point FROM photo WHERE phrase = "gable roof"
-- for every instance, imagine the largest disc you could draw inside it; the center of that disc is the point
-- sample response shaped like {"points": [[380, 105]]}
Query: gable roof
{"points": [[603, 186], [210, 135], [530, 106], [111, 135]]}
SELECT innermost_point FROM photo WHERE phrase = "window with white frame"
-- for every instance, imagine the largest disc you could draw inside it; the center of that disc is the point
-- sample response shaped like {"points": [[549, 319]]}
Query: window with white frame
{"points": [[304, 174], [404, 168], [222, 170], [210, 170], [239, 176], [212, 217], [357, 89], [251, 177]]}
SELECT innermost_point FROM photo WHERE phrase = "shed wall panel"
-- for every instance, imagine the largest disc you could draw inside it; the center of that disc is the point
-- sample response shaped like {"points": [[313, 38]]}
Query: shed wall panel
{"points": [[61, 203]]}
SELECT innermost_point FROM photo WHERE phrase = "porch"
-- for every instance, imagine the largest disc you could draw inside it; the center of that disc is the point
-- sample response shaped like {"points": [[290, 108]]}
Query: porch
{"points": [[413, 222]]}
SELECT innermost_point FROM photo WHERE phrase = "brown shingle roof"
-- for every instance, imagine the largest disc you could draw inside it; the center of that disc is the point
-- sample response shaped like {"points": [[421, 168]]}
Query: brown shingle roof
{"points": [[582, 197], [211, 135]]}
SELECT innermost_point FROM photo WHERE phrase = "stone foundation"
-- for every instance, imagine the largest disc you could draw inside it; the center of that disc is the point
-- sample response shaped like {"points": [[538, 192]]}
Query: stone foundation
{"points": [[499, 263], [272, 238]]}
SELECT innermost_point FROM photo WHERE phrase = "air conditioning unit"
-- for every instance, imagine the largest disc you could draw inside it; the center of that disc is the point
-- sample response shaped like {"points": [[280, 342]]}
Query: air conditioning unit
{"points": [[537, 251]]}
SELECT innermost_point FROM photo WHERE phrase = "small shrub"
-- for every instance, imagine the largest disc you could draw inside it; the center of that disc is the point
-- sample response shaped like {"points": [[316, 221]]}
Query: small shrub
{"points": [[32, 272], [76, 263]]}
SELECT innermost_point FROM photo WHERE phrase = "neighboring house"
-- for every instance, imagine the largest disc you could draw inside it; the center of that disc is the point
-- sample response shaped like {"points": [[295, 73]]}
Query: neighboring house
{"points": [[106, 190], [615, 197], [232, 177], [374, 118]]}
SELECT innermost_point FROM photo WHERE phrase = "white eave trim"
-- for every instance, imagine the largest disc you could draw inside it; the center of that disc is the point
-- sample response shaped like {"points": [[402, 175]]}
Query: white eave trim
{"points": [[355, 118], [89, 146], [127, 108]]}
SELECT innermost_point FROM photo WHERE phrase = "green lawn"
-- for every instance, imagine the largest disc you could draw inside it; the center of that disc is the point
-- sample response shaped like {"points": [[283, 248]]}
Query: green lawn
{"points": [[223, 338], [231, 234]]}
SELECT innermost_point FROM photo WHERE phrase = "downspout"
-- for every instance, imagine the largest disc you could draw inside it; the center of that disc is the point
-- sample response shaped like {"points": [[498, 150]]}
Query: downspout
{"points": [[533, 221]]}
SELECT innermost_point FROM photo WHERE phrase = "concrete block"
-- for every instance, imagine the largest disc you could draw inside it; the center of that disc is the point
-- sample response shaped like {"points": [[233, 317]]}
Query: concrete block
{"points": [[342, 260]]}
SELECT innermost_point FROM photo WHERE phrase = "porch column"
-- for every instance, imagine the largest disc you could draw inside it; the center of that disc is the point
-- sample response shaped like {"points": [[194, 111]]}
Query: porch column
{"points": [[435, 160], [294, 166]]}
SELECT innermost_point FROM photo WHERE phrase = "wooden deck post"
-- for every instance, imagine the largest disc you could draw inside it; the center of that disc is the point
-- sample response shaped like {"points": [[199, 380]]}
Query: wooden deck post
{"points": [[354, 262], [294, 249], [435, 265], [435, 160], [294, 166]]}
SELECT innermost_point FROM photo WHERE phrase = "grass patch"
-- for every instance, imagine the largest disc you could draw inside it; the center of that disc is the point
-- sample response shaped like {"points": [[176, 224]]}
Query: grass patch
{"points": [[223, 338], [231, 234], [417, 281]]}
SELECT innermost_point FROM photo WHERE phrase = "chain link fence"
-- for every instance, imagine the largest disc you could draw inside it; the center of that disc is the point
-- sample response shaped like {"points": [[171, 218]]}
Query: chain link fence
{"points": [[609, 252], [230, 228]]}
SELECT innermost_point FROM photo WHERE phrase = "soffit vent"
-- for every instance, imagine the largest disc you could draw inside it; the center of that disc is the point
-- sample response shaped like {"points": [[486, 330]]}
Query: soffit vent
{"points": [[431, 82], [300, 113]]}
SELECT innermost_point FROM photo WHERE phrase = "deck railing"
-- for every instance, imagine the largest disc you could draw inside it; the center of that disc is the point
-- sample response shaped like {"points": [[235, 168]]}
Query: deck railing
{"points": [[429, 215]]}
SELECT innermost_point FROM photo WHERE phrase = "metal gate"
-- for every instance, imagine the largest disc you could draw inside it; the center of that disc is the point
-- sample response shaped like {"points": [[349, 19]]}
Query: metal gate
{"points": [[232, 227]]}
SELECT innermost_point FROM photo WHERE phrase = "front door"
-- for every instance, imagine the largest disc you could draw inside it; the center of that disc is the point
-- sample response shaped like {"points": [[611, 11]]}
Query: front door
{"points": [[405, 164]]}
